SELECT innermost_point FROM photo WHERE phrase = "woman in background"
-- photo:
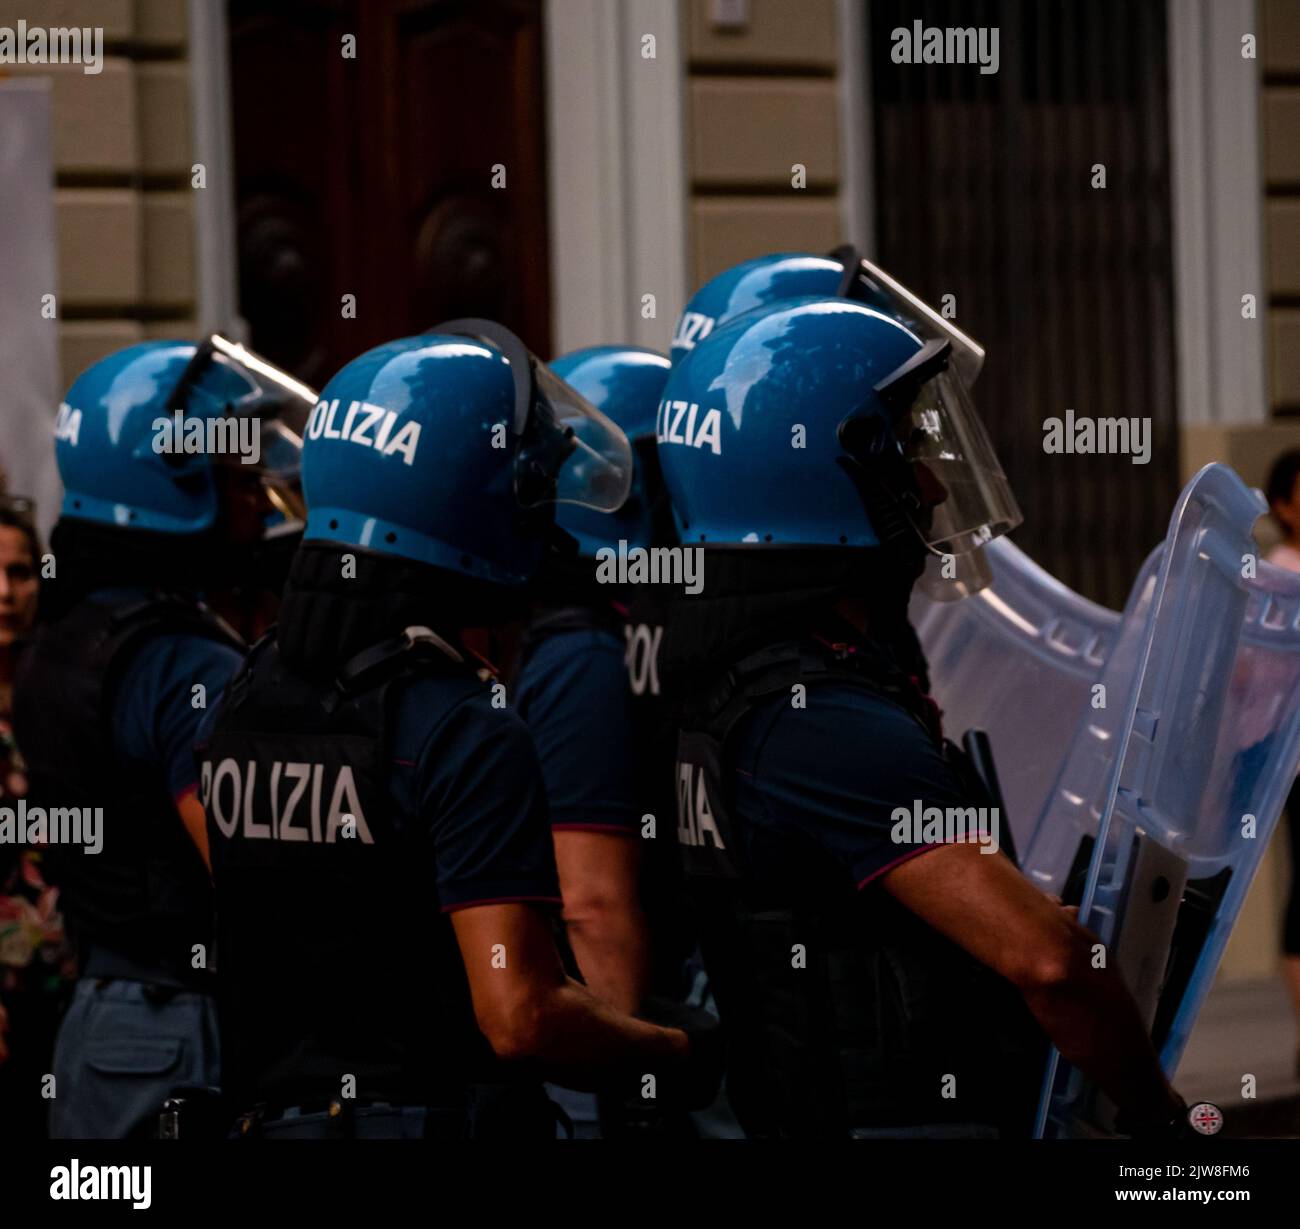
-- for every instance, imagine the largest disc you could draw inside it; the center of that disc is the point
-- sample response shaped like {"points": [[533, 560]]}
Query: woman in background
{"points": [[1283, 493], [33, 956]]}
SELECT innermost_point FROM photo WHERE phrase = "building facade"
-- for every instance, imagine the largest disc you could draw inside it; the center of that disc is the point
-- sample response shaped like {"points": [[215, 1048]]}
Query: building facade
{"points": [[319, 175]]}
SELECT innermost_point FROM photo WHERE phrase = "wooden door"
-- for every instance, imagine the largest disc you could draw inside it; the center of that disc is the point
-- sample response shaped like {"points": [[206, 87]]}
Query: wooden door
{"points": [[373, 175]]}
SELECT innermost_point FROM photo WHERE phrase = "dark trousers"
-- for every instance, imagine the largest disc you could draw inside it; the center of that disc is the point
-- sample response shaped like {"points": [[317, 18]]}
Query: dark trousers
{"points": [[122, 1048]]}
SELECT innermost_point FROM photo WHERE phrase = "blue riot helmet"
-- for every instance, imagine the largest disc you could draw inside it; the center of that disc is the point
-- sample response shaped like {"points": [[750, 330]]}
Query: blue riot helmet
{"points": [[624, 382], [844, 272], [822, 422], [452, 449], [141, 432]]}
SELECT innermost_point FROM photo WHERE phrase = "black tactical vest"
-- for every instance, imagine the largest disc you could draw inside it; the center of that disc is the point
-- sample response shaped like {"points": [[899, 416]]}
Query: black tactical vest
{"points": [[639, 622], [885, 1010], [139, 906], [335, 958]]}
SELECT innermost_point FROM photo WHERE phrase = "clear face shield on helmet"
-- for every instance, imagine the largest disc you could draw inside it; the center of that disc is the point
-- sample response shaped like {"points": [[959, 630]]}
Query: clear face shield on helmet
{"points": [[959, 575], [960, 498], [277, 407], [569, 452], [869, 284]]}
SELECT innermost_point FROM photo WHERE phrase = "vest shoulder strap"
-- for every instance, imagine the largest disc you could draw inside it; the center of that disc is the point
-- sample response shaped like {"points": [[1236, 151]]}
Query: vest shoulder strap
{"points": [[96, 637], [570, 619], [364, 677], [415, 650]]}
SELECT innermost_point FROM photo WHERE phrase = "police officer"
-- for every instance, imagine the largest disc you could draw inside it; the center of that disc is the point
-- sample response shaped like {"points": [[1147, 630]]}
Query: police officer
{"points": [[167, 452], [877, 975], [587, 685], [381, 849]]}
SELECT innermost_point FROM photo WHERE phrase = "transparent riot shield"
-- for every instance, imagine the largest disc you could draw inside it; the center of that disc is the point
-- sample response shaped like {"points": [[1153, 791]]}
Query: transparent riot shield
{"points": [[1062, 832], [1019, 660], [1170, 800]]}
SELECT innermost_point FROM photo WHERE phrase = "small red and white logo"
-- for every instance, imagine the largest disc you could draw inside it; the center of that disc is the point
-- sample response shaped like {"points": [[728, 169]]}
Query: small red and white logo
{"points": [[1206, 1119]]}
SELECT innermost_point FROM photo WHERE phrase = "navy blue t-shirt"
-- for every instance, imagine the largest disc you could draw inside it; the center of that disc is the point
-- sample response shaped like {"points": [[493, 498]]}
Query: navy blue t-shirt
{"points": [[155, 720], [573, 694], [468, 773], [822, 783]]}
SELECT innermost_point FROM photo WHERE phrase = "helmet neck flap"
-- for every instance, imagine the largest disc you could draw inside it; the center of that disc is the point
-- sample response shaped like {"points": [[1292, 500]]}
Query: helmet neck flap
{"points": [[325, 619], [754, 598]]}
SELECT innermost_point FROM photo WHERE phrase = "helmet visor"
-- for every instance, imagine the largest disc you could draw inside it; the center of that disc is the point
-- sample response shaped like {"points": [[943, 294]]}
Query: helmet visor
{"points": [[279, 394], [568, 452], [965, 497], [868, 283], [280, 406], [584, 457], [274, 402], [280, 469]]}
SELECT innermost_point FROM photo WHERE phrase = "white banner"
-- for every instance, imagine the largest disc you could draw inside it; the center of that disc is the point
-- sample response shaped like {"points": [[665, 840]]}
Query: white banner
{"points": [[29, 328]]}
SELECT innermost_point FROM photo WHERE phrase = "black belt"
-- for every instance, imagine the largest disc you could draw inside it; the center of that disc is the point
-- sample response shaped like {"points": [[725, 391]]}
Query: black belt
{"points": [[490, 1111], [339, 1119], [105, 964]]}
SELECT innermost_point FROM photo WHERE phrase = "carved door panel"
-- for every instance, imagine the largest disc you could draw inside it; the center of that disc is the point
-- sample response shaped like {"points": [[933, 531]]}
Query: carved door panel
{"points": [[372, 174]]}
